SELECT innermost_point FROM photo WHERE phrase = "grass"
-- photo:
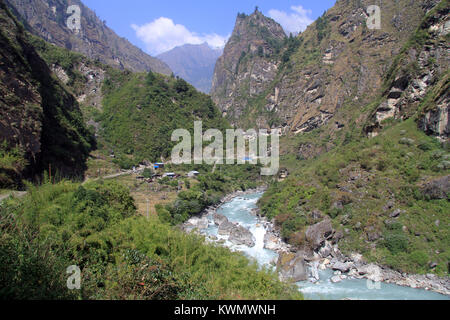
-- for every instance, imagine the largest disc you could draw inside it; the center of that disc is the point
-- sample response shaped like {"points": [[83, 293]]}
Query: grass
{"points": [[122, 255], [363, 176]]}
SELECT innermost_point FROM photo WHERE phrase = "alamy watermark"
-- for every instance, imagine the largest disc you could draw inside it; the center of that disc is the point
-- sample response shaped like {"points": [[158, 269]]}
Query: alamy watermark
{"points": [[241, 147], [73, 22], [373, 21], [74, 280]]}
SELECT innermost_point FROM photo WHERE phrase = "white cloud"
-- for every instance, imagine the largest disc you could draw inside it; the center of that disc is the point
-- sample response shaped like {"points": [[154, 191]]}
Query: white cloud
{"points": [[295, 21], [163, 34]]}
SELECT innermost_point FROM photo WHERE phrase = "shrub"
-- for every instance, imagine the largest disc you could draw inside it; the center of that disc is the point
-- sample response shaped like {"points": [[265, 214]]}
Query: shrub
{"points": [[419, 257], [396, 242]]}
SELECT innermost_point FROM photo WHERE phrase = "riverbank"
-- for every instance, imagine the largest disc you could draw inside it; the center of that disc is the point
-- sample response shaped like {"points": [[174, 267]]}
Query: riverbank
{"points": [[305, 263]]}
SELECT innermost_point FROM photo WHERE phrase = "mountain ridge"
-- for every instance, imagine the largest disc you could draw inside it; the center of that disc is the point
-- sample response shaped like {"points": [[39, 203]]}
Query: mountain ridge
{"points": [[194, 63], [47, 19]]}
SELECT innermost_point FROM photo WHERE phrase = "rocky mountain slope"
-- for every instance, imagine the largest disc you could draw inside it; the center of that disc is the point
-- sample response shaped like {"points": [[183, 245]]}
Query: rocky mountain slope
{"points": [[248, 64], [299, 84], [41, 123], [49, 20], [194, 63], [379, 173]]}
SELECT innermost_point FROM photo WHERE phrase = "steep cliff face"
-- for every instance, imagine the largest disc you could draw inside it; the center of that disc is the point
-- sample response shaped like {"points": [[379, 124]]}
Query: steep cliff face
{"points": [[41, 125], [48, 20], [418, 82], [375, 169], [337, 61], [248, 65]]}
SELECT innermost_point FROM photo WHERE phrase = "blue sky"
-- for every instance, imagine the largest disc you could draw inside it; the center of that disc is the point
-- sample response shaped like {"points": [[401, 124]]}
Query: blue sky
{"points": [[158, 26]]}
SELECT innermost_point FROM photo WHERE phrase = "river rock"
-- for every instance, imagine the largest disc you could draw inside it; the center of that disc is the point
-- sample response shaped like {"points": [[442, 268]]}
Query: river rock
{"points": [[371, 272], [241, 236], [219, 219], [271, 242], [318, 233], [225, 228], [336, 279], [342, 267], [198, 223], [292, 267]]}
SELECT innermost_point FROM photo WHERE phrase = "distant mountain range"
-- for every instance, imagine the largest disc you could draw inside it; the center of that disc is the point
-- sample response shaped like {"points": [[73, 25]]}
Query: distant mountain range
{"points": [[193, 63]]}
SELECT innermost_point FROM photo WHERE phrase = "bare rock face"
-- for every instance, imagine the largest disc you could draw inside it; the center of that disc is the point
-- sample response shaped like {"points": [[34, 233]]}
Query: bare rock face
{"points": [[436, 121], [409, 87], [300, 85], [318, 233], [292, 267], [95, 40], [247, 65]]}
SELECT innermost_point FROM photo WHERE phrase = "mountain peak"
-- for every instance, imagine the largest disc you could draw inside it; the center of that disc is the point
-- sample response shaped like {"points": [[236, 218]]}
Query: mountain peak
{"points": [[194, 63]]}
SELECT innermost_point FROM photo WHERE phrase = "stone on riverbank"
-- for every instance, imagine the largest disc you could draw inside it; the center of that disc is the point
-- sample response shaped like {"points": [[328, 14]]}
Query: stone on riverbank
{"points": [[342, 267], [318, 233], [292, 267]]}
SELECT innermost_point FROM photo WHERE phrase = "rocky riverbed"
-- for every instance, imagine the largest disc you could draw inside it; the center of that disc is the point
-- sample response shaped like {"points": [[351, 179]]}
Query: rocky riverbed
{"points": [[305, 264]]}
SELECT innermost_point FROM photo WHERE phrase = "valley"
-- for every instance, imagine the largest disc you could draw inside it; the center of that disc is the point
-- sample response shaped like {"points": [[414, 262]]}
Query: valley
{"points": [[362, 190]]}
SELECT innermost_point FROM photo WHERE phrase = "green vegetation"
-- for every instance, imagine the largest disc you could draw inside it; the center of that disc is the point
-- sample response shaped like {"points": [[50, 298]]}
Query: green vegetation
{"points": [[322, 27], [12, 162], [140, 111], [67, 60], [353, 185], [373, 190], [209, 190], [121, 255]]}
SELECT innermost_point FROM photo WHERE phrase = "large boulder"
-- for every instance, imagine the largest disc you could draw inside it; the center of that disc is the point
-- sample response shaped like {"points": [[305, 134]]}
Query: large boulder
{"points": [[219, 219], [342, 267], [225, 228], [371, 272], [195, 223], [271, 242], [241, 236], [318, 233], [336, 279], [292, 267]]}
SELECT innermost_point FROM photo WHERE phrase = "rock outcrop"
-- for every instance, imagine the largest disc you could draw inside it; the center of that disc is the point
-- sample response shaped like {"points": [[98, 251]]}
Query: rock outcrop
{"points": [[438, 188], [248, 64], [420, 72], [265, 79]]}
